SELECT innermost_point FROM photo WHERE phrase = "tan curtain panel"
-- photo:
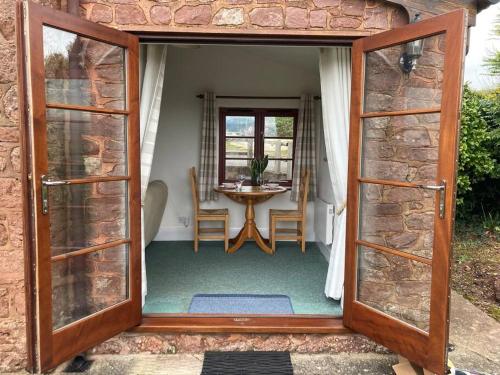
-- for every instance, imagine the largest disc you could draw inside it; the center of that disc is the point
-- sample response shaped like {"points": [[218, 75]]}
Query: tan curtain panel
{"points": [[305, 148], [208, 171]]}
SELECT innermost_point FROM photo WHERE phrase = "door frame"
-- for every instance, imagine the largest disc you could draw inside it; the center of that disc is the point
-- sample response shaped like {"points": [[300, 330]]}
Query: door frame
{"points": [[229, 323], [177, 323], [28, 224]]}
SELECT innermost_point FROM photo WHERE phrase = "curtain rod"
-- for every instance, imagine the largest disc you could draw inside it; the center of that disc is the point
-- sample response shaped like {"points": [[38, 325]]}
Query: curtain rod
{"points": [[200, 96]]}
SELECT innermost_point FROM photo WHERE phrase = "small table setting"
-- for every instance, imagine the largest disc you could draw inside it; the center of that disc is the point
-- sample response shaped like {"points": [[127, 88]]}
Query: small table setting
{"points": [[249, 195]]}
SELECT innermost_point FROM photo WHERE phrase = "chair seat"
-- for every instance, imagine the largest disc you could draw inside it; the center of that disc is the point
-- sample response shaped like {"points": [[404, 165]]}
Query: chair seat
{"points": [[214, 212], [287, 213]]}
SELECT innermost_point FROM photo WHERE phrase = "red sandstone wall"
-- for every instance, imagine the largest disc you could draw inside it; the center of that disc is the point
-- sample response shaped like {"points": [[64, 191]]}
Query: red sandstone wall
{"points": [[129, 343], [360, 15], [12, 298]]}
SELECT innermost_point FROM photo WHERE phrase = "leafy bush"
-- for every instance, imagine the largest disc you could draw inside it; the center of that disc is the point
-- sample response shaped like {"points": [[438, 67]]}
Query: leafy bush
{"points": [[478, 184]]}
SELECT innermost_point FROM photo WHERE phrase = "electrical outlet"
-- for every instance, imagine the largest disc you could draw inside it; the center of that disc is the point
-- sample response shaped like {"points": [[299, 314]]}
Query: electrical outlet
{"points": [[184, 220]]}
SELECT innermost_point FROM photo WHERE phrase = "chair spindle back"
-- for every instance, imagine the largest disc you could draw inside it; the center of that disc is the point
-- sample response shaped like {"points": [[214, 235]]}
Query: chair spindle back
{"points": [[303, 191], [194, 189]]}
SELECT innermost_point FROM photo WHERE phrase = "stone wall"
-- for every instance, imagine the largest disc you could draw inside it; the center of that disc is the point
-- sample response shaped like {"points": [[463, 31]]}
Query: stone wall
{"points": [[130, 343], [339, 15]]}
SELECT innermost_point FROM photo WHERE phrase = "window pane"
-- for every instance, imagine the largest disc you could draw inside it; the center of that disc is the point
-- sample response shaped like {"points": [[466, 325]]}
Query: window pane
{"points": [[83, 71], [388, 88], [236, 167], [85, 215], [278, 126], [398, 217], [401, 148], [239, 148], [86, 284], [278, 170], [394, 285], [84, 144], [240, 126], [278, 148]]}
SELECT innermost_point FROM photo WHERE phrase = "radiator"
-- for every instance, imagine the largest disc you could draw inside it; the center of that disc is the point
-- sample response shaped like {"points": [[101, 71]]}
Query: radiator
{"points": [[323, 221]]}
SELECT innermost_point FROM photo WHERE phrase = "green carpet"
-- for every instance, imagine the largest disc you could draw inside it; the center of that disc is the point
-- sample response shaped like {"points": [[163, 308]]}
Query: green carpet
{"points": [[175, 273]]}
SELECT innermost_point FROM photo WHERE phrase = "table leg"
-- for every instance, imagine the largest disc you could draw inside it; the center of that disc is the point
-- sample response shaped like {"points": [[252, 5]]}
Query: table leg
{"points": [[248, 231], [235, 239]]}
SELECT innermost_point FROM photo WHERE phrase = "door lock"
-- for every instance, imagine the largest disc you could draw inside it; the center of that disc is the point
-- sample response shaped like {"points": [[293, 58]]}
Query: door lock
{"points": [[441, 189], [45, 191]]}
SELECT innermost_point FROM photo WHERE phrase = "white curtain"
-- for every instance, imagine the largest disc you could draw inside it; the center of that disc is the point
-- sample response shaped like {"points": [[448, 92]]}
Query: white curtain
{"points": [[335, 73], [151, 92]]}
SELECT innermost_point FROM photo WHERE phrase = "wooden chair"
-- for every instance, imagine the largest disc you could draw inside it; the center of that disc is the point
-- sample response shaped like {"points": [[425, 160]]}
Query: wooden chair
{"points": [[299, 215], [219, 214]]}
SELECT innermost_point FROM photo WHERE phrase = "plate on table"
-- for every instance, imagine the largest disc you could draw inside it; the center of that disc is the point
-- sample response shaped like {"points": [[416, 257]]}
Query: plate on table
{"points": [[271, 188]]}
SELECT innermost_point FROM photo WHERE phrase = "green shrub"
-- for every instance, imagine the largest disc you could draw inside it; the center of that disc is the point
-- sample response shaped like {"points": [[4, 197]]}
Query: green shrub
{"points": [[478, 183]]}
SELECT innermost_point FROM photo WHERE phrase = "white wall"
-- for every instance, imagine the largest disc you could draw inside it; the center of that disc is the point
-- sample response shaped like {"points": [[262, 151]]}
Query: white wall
{"points": [[226, 70]]}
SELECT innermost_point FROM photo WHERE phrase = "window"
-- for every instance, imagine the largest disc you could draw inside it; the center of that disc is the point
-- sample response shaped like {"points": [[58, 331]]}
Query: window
{"points": [[252, 133]]}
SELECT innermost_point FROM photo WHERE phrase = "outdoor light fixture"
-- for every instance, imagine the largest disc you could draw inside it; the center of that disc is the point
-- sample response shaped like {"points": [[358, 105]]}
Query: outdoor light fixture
{"points": [[412, 51]]}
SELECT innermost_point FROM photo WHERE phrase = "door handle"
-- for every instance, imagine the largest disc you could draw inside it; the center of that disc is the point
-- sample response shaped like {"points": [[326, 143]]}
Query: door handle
{"points": [[45, 191], [441, 189]]}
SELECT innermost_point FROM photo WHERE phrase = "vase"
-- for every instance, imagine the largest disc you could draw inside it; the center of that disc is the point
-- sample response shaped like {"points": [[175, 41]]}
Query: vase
{"points": [[255, 180], [260, 179]]}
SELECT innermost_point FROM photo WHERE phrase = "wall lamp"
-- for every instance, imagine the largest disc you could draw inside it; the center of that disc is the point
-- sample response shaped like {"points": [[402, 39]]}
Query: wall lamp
{"points": [[412, 51]]}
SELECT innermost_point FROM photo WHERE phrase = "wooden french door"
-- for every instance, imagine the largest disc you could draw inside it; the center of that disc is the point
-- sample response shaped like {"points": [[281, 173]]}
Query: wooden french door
{"points": [[406, 90], [82, 81]]}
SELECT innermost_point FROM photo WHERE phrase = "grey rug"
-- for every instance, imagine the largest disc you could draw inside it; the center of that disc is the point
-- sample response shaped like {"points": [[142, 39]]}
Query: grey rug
{"points": [[241, 304]]}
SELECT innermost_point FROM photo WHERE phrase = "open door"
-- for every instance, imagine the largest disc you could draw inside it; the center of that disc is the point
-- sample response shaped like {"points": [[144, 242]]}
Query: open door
{"points": [[82, 82], [405, 106]]}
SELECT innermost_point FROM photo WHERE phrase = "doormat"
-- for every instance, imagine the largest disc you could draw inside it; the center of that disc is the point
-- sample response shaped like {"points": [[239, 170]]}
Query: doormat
{"points": [[247, 363], [78, 364], [240, 304]]}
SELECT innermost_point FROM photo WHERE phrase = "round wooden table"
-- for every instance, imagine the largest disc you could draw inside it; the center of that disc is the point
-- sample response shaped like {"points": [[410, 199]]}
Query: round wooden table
{"points": [[250, 195]]}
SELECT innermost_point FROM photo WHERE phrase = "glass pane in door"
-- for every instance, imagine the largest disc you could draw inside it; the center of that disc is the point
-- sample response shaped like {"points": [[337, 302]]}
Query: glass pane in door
{"points": [[83, 71], [85, 144], [399, 218], [86, 284], [401, 148], [84, 215], [389, 88], [396, 286]]}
